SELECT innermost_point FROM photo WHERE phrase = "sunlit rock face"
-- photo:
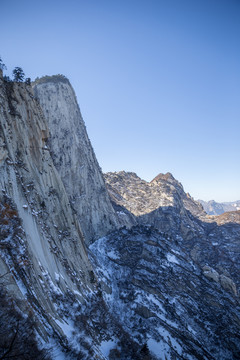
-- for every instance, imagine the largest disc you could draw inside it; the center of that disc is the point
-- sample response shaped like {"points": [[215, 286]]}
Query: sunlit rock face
{"points": [[161, 202], [142, 197], [74, 157], [42, 248]]}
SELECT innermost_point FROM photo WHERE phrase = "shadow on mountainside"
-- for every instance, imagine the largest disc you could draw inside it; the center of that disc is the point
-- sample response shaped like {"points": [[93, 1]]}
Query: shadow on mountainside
{"points": [[207, 243]]}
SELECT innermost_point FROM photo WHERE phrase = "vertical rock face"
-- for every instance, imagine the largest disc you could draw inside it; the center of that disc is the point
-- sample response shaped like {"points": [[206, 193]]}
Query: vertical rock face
{"points": [[40, 239], [74, 157]]}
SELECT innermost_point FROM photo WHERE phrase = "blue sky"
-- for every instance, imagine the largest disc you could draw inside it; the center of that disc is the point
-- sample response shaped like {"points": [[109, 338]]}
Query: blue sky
{"points": [[158, 82]]}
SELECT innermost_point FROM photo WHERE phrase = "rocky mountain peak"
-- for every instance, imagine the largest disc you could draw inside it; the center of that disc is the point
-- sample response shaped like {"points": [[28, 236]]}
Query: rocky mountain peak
{"points": [[124, 175], [41, 242], [141, 197], [165, 177]]}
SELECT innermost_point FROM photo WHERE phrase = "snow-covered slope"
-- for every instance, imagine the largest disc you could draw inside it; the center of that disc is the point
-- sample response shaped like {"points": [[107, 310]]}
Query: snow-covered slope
{"points": [[165, 300]]}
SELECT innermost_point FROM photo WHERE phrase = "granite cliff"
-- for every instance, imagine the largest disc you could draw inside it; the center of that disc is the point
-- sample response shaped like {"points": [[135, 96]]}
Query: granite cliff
{"points": [[74, 157], [44, 266]]}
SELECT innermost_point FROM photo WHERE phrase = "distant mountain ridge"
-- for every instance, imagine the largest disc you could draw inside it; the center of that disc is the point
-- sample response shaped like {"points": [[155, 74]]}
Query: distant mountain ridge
{"points": [[214, 208]]}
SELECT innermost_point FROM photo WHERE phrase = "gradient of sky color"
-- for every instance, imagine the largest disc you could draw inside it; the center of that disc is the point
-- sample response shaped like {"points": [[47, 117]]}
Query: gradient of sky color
{"points": [[157, 81]]}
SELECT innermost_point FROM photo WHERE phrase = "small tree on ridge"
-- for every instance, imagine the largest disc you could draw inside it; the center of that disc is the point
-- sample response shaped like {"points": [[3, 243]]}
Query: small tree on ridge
{"points": [[2, 65], [18, 74]]}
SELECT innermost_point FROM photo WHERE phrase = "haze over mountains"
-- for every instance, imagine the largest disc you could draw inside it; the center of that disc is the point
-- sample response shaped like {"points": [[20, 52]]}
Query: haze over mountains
{"points": [[214, 208], [104, 266]]}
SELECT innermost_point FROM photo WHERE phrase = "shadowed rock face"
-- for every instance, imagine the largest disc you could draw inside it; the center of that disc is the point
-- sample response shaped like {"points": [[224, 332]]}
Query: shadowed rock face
{"points": [[74, 157]]}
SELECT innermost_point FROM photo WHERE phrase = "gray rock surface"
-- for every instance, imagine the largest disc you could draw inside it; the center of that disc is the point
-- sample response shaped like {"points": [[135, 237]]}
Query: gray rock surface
{"points": [[74, 157], [42, 248], [141, 197], [161, 202]]}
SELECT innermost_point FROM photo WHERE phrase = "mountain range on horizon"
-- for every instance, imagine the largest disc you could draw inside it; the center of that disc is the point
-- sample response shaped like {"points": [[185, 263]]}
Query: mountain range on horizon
{"points": [[104, 266], [213, 207]]}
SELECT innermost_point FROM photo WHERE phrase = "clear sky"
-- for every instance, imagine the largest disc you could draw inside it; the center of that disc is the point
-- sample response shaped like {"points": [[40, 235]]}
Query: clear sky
{"points": [[157, 81]]}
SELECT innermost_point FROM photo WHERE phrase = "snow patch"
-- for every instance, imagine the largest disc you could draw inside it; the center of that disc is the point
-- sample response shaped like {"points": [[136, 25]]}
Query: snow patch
{"points": [[112, 255], [66, 328], [106, 346], [172, 258], [158, 348]]}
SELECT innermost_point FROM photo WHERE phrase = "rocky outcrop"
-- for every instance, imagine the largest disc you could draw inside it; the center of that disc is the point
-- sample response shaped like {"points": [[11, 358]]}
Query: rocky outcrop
{"points": [[230, 217], [74, 157], [228, 284], [141, 197], [210, 273], [225, 281], [161, 202]]}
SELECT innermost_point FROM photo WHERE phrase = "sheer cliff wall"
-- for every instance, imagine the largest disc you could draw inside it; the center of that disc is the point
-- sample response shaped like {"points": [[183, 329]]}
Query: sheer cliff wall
{"points": [[74, 157], [42, 247]]}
